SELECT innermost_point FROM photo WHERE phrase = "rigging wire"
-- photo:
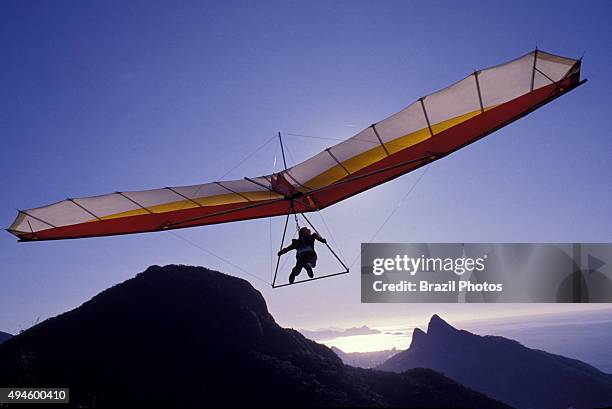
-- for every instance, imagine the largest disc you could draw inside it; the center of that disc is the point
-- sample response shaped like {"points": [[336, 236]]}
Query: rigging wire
{"points": [[271, 247], [286, 147], [205, 250], [249, 156], [328, 138], [402, 200], [331, 236], [270, 219], [397, 207], [286, 259], [387, 219], [289, 153], [325, 138], [209, 252]]}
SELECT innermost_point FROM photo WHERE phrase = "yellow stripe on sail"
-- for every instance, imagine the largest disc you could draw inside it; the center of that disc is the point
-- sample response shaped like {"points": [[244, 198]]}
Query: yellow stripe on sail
{"points": [[215, 200], [376, 154], [331, 175]]}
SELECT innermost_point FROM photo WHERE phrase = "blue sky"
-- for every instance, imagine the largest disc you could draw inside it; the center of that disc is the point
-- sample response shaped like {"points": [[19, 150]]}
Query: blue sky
{"points": [[102, 96]]}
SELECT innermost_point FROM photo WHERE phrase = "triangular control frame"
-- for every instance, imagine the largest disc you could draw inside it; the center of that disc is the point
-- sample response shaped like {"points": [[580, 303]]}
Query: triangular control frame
{"points": [[274, 285], [295, 213]]}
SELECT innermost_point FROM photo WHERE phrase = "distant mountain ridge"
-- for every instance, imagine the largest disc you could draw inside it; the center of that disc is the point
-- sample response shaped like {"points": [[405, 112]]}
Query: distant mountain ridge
{"points": [[585, 335], [504, 369], [364, 359], [328, 333], [179, 336], [4, 336]]}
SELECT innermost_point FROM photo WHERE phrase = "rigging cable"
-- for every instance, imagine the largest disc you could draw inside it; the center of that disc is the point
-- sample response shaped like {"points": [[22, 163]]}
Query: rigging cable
{"points": [[353, 138], [205, 250], [270, 220], [317, 210], [331, 236], [249, 156], [399, 204], [186, 240]]}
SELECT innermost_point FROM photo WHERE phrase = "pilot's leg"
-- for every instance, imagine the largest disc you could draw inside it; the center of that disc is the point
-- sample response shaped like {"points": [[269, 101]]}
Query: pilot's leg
{"points": [[295, 272], [308, 268], [309, 265]]}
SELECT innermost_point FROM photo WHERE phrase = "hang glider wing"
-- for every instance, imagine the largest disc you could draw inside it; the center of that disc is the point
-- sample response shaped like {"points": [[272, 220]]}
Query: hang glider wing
{"points": [[429, 129]]}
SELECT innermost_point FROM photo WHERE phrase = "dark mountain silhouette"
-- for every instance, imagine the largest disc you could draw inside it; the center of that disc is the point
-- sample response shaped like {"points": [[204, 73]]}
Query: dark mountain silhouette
{"points": [[4, 336], [504, 369], [178, 336], [364, 359]]}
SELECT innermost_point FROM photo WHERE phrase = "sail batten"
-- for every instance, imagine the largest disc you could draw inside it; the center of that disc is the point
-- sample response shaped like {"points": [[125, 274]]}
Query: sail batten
{"points": [[429, 128]]}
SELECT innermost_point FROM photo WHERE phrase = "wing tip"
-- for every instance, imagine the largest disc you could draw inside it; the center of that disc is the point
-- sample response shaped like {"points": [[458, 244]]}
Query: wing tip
{"points": [[21, 236]]}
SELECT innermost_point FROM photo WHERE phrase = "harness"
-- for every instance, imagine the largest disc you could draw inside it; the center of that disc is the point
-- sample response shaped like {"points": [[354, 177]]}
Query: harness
{"points": [[305, 248]]}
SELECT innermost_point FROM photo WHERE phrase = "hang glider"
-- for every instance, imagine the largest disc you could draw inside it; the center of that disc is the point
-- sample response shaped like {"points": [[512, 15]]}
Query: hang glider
{"points": [[427, 130]]}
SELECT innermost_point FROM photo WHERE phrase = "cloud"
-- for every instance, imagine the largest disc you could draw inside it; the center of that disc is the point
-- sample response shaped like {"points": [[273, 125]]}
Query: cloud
{"points": [[328, 333]]}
